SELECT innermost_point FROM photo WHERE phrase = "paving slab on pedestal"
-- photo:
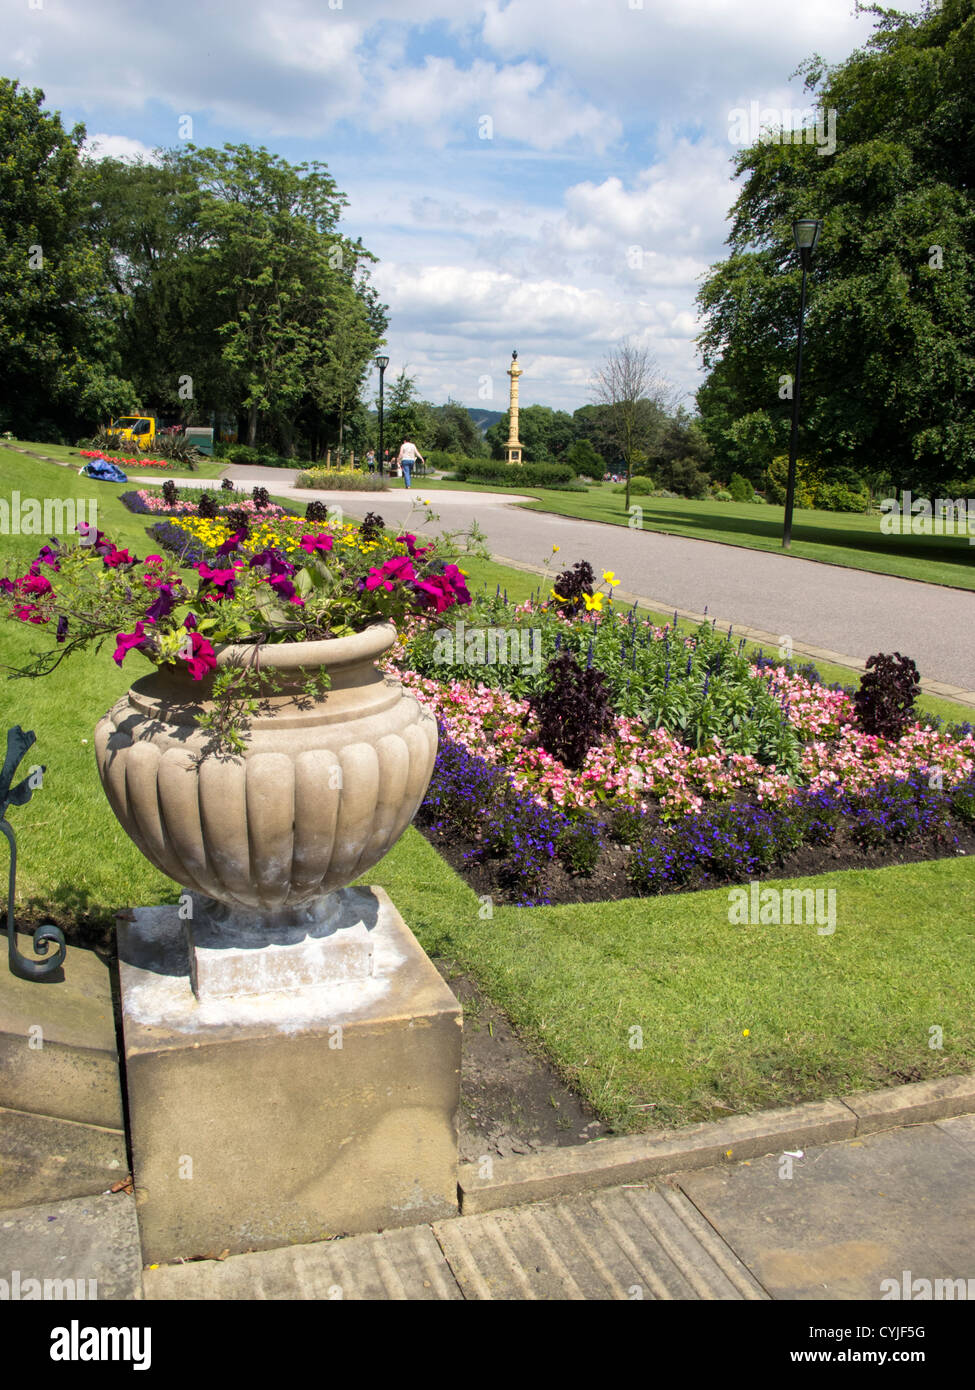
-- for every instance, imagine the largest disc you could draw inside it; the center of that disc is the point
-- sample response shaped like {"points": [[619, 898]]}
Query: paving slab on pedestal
{"points": [[58, 1048], [853, 1213], [87, 1238], [42, 1158]]}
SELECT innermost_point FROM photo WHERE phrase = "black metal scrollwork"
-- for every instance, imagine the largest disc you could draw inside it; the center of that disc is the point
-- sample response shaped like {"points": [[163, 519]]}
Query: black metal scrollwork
{"points": [[47, 935]]}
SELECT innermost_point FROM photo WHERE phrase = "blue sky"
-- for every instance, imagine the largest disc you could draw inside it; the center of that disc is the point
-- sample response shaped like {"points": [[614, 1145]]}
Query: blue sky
{"points": [[551, 175]]}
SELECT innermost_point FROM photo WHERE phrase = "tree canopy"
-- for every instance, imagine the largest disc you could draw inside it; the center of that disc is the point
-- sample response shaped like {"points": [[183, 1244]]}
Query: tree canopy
{"points": [[207, 281], [888, 383]]}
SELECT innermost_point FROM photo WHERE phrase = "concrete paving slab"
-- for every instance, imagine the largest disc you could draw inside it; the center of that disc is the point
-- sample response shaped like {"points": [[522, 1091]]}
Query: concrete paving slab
{"points": [[625, 1243], [405, 1264], [40, 1156], [84, 1248], [58, 1049], [852, 1214], [961, 1128]]}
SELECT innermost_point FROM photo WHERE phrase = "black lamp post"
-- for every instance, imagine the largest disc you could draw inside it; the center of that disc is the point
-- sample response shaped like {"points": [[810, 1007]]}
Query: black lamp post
{"points": [[806, 232], [382, 363]]}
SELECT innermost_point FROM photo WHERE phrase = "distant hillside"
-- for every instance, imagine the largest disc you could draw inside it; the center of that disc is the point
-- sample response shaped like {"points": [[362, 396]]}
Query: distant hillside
{"points": [[484, 419]]}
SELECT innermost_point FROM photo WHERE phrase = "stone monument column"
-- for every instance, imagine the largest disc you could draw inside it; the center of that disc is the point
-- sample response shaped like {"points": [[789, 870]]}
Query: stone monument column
{"points": [[512, 451]]}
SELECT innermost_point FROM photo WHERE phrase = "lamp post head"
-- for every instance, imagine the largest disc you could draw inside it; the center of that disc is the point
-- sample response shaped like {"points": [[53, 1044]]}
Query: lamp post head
{"points": [[514, 354], [382, 363], [805, 232]]}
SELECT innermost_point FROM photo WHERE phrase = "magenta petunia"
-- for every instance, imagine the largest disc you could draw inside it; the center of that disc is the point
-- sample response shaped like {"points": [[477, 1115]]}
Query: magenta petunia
{"points": [[320, 542], [128, 640], [202, 659]]}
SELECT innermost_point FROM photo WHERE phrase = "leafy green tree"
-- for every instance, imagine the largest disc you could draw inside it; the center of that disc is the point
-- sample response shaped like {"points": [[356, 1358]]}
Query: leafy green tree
{"points": [[59, 359], [584, 458], [545, 434], [888, 383]]}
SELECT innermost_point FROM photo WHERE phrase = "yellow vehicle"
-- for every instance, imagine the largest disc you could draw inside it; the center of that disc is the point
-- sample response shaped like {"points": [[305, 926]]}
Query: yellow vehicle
{"points": [[139, 430]]}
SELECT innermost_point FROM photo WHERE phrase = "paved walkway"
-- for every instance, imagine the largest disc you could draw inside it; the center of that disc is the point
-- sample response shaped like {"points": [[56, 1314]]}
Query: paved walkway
{"points": [[863, 1218], [827, 611]]}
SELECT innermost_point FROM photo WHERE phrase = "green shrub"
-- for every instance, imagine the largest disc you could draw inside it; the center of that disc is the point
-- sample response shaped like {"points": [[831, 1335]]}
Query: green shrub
{"points": [[639, 487], [834, 497], [722, 495], [777, 478], [740, 488], [553, 475], [345, 480], [684, 477]]}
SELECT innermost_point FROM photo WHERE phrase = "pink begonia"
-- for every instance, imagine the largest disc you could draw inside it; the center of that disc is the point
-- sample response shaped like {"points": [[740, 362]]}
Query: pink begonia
{"points": [[647, 766]]}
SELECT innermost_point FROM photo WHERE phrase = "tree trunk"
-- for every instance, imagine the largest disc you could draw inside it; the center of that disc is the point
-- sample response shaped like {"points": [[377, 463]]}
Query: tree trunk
{"points": [[252, 414]]}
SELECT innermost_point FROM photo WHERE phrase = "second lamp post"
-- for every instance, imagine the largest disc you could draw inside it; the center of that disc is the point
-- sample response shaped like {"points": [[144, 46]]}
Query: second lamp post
{"points": [[806, 232]]}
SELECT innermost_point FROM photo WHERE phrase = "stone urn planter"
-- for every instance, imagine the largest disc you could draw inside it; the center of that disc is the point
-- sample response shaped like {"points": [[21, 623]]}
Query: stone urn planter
{"points": [[324, 788]]}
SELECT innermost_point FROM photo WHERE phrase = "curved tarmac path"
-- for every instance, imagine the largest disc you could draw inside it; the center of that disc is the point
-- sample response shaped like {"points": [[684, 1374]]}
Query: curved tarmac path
{"points": [[827, 611]]}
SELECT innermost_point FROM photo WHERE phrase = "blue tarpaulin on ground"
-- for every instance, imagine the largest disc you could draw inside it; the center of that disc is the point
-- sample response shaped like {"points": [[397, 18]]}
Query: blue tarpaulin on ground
{"points": [[103, 470]]}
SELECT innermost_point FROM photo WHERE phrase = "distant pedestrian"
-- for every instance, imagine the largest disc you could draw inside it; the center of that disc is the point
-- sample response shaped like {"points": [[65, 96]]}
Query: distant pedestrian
{"points": [[406, 458], [371, 460]]}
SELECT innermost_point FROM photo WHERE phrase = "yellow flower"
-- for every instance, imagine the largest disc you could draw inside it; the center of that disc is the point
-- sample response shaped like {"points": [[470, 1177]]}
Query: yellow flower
{"points": [[556, 549], [560, 597], [610, 578], [746, 1032], [593, 602]]}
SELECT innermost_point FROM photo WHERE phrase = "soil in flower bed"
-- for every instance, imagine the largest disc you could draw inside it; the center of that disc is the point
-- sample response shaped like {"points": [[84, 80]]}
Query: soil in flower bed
{"points": [[608, 882], [511, 1100]]}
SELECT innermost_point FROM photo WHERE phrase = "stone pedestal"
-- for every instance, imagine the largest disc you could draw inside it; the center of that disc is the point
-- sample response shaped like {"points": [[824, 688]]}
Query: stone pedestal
{"points": [[267, 1119]]}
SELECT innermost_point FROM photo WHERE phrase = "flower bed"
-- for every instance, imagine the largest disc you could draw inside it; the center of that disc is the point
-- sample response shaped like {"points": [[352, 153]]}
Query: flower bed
{"points": [[134, 462], [149, 503], [679, 790]]}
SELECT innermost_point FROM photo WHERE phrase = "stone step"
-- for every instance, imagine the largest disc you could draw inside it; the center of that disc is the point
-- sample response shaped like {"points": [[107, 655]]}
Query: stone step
{"points": [[58, 1048], [405, 1264], [84, 1248], [43, 1158]]}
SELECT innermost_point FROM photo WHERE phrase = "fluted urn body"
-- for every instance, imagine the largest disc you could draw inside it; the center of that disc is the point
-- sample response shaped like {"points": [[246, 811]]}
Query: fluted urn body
{"points": [[326, 785]]}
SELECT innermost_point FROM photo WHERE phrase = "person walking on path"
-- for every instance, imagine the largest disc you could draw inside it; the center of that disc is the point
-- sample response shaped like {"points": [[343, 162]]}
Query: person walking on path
{"points": [[406, 458], [371, 460]]}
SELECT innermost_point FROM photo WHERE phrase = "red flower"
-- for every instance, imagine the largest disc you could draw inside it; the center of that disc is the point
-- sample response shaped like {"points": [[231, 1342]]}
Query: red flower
{"points": [[29, 613]]}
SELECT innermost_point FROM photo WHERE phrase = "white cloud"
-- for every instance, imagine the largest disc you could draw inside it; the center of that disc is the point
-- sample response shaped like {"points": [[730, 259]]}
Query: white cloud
{"points": [[122, 147]]}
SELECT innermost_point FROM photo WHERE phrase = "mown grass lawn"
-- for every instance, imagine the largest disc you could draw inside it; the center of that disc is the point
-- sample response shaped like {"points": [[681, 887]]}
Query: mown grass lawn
{"points": [[835, 538], [824, 1014]]}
